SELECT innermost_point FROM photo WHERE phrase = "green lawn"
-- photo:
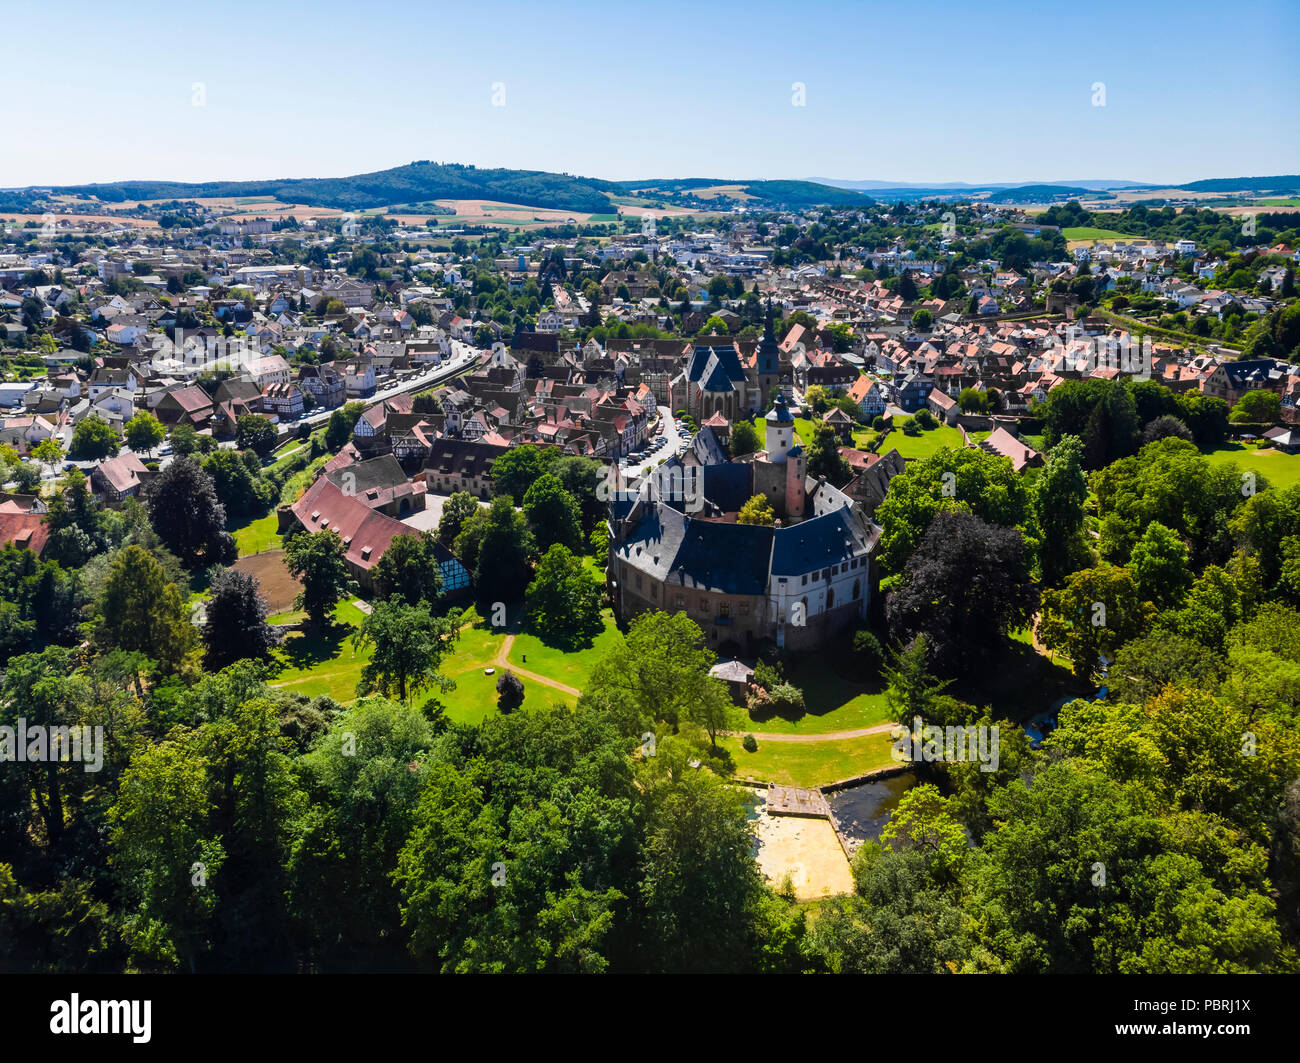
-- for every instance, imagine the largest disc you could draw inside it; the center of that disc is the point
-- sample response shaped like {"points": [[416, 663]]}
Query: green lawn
{"points": [[1282, 470], [257, 535], [926, 443], [810, 763], [570, 668], [322, 664], [1085, 232], [834, 702], [328, 664]]}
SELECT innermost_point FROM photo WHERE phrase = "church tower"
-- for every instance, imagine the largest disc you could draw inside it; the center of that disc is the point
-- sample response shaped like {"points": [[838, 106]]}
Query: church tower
{"points": [[769, 360]]}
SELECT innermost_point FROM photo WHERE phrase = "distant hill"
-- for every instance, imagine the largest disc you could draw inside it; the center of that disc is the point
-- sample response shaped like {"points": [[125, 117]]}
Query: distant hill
{"points": [[401, 184], [422, 181], [782, 193], [1036, 193], [1286, 183]]}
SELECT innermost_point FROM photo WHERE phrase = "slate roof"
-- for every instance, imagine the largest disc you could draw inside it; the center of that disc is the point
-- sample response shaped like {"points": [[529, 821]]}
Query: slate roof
{"points": [[817, 543]]}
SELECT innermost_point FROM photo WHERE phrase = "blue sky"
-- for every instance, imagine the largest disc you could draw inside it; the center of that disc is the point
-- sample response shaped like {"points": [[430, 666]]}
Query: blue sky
{"points": [[915, 91]]}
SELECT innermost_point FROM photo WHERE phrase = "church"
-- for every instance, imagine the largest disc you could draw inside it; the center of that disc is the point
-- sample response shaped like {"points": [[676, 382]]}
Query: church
{"points": [[718, 379]]}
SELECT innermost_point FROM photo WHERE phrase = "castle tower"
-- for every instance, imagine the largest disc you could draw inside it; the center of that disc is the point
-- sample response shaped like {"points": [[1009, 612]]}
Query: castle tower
{"points": [[778, 431], [796, 472]]}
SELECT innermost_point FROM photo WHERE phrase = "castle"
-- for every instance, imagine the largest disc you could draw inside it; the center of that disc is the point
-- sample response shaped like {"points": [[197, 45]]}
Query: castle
{"points": [[675, 546]]}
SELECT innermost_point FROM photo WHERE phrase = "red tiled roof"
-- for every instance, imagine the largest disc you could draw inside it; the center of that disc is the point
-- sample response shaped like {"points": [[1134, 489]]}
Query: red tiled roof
{"points": [[24, 529]]}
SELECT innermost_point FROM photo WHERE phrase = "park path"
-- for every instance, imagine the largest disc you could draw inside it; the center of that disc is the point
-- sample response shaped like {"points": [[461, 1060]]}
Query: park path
{"points": [[502, 660], [829, 736]]}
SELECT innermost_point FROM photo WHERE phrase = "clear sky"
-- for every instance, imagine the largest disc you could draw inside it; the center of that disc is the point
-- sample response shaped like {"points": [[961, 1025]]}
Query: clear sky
{"points": [[922, 90]]}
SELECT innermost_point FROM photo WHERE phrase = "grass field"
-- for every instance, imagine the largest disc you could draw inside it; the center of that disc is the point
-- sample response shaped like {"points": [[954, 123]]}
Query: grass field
{"points": [[1087, 232], [1282, 470], [328, 664], [926, 443], [809, 763], [834, 703], [257, 535]]}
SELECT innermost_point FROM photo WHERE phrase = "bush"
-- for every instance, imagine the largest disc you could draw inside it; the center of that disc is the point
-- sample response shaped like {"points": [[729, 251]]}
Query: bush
{"points": [[867, 652], [749, 744], [911, 428], [925, 418], [767, 675]]}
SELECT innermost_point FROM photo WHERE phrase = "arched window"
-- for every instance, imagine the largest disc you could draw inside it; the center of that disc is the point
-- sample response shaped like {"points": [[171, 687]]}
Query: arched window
{"points": [[857, 589]]}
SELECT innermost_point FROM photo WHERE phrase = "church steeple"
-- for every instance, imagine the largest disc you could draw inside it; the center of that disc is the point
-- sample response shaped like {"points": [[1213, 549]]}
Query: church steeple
{"points": [[768, 360], [769, 355]]}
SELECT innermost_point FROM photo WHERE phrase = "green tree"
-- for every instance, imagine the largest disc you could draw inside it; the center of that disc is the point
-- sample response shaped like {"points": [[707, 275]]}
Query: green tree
{"points": [[563, 602], [1095, 612], [48, 452], [318, 561], [756, 511], [515, 471], [502, 564], [1159, 565], [257, 433], [409, 570], [187, 515], [552, 514], [1058, 504], [144, 432], [458, 508], [93, 438], [824, 458], [970, 479], [407, 644], [1257, 407], [161, 842], [338, 430], [744, 439], [236, 625], [138, 610]]}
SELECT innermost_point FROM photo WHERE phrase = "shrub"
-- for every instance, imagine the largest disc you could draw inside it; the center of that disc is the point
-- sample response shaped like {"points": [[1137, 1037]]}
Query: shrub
{"points": [[749, 744], [867, 652]]}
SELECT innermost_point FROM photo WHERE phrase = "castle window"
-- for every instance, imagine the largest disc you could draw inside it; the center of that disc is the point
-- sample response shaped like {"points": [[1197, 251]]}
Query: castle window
{"points": [[857, 589], [704, 606], [638, 581], [724, 609], [744, 608], [830, 599], [681, 602], [805, 580], [654, 591]]}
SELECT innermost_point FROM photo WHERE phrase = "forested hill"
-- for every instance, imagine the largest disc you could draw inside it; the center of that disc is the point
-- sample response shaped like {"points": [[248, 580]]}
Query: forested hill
{"points": [[422, 181], [413, 183]]}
